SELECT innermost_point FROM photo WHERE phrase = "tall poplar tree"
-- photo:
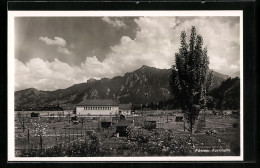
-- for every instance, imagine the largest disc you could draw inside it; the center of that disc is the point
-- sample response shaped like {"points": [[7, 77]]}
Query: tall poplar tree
{"points": [[191, 78]]}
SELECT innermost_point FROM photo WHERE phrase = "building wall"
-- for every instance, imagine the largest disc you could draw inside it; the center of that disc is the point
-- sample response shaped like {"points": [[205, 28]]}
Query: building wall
{"points": [[125, 112], [88, 110]]}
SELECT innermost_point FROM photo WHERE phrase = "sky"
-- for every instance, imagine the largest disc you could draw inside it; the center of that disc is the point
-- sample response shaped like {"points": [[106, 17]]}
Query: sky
{"points": [[57, 52]]}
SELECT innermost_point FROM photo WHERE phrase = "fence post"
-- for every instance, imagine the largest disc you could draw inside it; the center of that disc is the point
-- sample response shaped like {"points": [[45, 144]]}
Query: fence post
{"points": [[65, 134], [23, 122], [69, 136], [55, 134], [41, 142], [85, 135], [61, 134], [28, 136], [73, 133], [81, 132], [184, 125]]}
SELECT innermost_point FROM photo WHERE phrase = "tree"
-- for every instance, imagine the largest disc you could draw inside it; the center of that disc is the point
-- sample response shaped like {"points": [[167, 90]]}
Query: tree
{"points": [[191, 78]]}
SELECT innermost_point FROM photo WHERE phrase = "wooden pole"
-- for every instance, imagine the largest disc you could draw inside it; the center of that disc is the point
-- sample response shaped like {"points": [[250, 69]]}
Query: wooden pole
{"points": [[23, 122], [85, 135], [28, 136], [41, 142], [55, 135], [184, 125], [73, 133], [191, 123], [65, 134], [69, 136]]}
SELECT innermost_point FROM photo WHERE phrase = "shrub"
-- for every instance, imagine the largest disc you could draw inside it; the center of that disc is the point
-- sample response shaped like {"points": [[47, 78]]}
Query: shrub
{"points": [[235, 125]]}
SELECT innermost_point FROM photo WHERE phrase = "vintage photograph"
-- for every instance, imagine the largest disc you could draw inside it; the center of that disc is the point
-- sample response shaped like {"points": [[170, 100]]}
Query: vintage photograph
{"points": [[126, 85]]}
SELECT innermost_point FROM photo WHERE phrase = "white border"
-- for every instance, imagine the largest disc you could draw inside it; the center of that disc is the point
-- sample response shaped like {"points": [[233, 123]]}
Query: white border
{"points": [[11, 40]]}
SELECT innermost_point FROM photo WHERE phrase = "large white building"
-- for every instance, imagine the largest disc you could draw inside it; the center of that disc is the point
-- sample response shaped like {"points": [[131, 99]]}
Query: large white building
{"points": [[97, 107]]}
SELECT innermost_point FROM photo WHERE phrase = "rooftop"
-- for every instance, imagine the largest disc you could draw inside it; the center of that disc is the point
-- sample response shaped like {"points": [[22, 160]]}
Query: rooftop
{"points": [[125, 106], [98, 102]]}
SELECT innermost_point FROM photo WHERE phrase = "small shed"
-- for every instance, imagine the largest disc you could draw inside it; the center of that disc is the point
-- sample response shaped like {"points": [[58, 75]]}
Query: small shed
{"points": [[74, 118], [179, 118], [150, 124], [122, 117], [106, 124], [33, 114], [235, 112], [226, 112], [122, 126]]}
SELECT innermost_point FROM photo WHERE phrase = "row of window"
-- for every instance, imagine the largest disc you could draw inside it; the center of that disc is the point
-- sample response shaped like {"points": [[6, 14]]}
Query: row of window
{"points": [[97, 108]]}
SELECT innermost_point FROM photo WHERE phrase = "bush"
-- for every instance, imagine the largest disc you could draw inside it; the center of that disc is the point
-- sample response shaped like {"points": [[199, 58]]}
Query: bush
{"points": [[235, 147], [235, 125]]}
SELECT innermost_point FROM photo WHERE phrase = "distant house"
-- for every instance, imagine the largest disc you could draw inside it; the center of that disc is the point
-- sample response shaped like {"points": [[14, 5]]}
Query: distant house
{"points": [[97, 107], [68, 110], [179, 118], [106, 124], [122, 126], [150, 124], [125, 109], [227, 112], [33, 114]]}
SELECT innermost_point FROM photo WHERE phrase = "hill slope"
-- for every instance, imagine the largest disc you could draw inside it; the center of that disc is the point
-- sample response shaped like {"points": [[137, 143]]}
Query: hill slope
{"points": [[227, 95], [140, 86]]}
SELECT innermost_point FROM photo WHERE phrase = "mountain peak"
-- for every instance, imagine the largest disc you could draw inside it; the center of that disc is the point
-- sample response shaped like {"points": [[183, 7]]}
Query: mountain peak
{"points": [[129, 88], [145, 66]]}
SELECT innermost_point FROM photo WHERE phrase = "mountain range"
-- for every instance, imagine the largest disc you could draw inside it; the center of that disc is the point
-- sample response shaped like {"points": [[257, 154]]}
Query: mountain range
{"points": [[144, 85]]}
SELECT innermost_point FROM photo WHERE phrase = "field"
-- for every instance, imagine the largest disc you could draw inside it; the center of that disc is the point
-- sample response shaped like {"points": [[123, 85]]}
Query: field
{"points": [[54, 134]]}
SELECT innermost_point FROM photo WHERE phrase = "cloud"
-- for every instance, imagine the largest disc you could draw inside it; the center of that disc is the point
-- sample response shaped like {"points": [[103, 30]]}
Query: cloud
{"points": [[151, 46], [57, 41], [45, 75], [63, 50], [222, 40], [156, 42], [158, 39], [115, 22]]}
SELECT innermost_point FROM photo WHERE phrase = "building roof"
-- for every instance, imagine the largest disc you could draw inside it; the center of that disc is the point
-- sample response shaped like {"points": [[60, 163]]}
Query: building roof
{"points": [[98, 102], [124, 123], [125, 106], [68, 107], [179, 115]]}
